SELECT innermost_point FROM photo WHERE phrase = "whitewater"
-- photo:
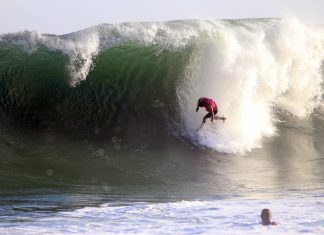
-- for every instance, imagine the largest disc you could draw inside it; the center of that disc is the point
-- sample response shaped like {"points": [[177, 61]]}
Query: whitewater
{"points": [[98, 129]]}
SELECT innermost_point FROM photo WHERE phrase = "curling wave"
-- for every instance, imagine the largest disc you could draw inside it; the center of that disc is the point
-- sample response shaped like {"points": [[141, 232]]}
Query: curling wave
{"points": [[150, 75]]}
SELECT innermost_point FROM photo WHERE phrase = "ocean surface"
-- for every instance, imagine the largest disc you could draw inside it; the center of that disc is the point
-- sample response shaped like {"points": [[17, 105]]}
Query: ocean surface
{"points": [[98, 129]]}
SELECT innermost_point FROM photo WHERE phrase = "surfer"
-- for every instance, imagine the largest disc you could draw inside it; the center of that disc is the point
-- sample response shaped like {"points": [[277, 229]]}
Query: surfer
{"points": [[211, 108], [266, 217]]}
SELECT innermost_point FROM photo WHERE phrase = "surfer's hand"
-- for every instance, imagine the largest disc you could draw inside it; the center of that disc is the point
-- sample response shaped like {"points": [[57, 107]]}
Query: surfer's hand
{"points": [[224, 118]]}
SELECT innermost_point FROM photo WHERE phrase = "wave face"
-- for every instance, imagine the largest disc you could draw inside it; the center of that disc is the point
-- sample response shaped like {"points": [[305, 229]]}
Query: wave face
{"points": [[118, 78]]}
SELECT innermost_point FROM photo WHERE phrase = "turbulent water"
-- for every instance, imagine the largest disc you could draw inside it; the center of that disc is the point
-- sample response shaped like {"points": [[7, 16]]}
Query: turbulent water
{"points": [[98, 129]]}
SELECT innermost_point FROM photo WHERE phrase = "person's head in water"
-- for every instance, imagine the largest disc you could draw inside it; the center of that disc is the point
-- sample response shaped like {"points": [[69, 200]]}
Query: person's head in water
{"points": [[266, 217]]}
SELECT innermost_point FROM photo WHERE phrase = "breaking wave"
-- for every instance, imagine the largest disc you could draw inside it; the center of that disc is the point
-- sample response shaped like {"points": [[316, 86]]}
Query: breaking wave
{"points": [[148, 76]]}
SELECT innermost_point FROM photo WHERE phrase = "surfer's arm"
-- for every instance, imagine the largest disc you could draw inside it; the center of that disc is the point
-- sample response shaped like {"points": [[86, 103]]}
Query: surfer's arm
{"points": [[197, 107]]}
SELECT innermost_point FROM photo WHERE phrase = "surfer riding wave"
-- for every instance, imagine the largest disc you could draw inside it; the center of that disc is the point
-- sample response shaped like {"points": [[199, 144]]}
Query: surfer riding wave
{"points": [[211, 107]]}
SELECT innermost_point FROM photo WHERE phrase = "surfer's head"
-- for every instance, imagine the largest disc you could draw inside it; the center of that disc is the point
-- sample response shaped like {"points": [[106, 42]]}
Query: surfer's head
{"points": [[266, 216], [201, 102]]}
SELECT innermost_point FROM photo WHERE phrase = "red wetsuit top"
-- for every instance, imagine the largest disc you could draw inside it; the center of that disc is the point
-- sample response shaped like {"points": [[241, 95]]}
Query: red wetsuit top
{"points": [[206, 102]]}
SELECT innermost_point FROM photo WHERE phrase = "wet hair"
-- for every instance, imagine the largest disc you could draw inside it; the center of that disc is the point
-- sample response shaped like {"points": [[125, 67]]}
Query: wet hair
{"points": [[266, 216]]}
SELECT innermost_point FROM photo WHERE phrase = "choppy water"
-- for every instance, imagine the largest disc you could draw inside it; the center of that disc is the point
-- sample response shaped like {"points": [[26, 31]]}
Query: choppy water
{"points": [[293, 214], [98, 129]]}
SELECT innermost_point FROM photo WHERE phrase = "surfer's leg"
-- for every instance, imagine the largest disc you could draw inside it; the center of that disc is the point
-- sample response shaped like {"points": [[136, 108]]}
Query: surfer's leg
{"points": [[208, 115]]}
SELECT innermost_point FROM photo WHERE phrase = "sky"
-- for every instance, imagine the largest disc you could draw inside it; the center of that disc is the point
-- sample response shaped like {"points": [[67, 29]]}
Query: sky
{"points": [[65, 16]]}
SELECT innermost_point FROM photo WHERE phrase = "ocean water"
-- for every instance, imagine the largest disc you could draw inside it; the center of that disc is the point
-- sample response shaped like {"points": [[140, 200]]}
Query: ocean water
{"points": [[98, 129]]}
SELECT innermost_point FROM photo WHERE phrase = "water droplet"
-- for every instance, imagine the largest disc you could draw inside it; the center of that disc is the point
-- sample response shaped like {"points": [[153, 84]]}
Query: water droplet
{"points": [[50, 172], [100, 152], [116, 146], [106, 187], [114, 139]]}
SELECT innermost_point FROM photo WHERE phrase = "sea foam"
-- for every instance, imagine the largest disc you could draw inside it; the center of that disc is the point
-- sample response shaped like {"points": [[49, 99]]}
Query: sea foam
{"points": [[250, 69]]}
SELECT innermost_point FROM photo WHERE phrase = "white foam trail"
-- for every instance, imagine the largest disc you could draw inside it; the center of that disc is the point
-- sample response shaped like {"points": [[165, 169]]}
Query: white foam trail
{"points": [[248, 69]]}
